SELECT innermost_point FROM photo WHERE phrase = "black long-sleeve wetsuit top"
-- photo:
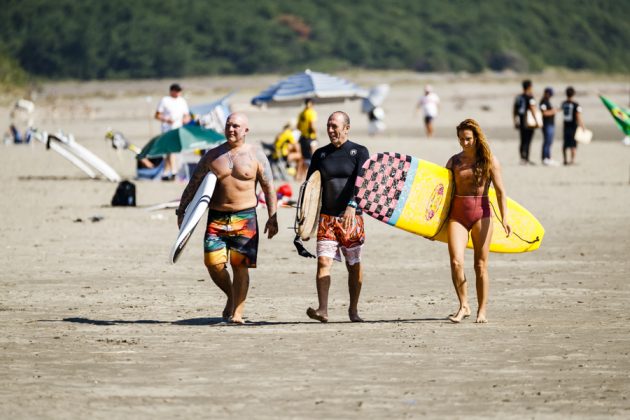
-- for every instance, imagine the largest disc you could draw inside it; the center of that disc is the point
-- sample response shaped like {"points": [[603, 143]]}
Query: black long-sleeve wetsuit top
{"points": [[339, 168]]}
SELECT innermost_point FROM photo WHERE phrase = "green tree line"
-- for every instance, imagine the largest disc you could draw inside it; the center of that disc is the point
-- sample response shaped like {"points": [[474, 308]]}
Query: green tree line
{"points": [[108, 39]]}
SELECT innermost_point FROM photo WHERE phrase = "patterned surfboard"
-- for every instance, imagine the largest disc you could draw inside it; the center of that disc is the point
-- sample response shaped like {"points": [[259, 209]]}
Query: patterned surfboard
{"points": [[415, 195]]}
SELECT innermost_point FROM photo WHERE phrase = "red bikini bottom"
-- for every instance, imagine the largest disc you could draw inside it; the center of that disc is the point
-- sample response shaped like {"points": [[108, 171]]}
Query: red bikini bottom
{"points": [[468, 209]]}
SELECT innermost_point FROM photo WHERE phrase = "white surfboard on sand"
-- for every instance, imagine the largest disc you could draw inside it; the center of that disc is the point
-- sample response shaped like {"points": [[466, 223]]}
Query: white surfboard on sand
{"points": [[90, 158], [173, 204], [56, 147], [194, 212]]}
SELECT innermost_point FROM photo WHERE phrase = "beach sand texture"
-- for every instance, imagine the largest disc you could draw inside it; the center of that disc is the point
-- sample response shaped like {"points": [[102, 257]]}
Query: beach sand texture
{"points": [[94, 323]]}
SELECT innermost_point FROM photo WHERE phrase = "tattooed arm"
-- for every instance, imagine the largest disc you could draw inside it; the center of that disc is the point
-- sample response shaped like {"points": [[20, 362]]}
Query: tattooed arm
{"points": [[203, 167], [265, 177]]}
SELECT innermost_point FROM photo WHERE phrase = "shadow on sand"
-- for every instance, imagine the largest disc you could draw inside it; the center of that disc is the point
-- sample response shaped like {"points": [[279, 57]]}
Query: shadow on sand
{"points": [[223, 323]]}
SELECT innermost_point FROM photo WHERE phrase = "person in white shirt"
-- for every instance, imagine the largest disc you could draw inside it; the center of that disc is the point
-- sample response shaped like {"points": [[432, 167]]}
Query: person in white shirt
{"points": [[430, 104], [172, 112]]}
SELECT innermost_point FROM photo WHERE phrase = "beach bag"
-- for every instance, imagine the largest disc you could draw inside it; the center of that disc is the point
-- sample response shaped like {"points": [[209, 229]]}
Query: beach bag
{"points": [[125, 194], [582, 135], [534, 119]]}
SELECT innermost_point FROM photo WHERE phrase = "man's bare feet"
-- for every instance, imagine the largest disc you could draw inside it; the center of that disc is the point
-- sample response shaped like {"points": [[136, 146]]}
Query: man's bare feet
{"points": [[462, 312], [481, 318], [235, 320], [354, 316], [313, 314]]}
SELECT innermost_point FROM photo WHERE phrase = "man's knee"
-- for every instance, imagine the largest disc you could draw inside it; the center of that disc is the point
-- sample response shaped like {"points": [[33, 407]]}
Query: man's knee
{"points": [[240, 261], [324, 264], [216, 269]]}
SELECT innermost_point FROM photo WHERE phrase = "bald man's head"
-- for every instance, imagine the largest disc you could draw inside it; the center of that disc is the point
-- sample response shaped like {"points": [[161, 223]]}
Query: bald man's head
{"points": [[236, 128]]}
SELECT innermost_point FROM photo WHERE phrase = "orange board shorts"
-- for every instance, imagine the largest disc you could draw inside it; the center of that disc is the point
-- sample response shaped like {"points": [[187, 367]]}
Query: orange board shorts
{"points": [[333, 240]]}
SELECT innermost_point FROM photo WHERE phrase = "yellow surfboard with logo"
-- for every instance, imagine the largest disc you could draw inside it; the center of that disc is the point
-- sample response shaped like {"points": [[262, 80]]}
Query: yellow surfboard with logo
{"points": [[415, 195]]}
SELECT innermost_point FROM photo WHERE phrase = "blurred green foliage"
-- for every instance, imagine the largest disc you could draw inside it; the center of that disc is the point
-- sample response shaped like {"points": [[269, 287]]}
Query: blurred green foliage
{"points": [[94, 39]]}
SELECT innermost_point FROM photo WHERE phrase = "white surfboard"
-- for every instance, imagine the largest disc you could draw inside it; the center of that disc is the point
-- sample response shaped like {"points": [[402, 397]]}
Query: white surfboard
{"points": [[42, 137], [72, 159], [163, 206], [194, 212], [90, 158]]}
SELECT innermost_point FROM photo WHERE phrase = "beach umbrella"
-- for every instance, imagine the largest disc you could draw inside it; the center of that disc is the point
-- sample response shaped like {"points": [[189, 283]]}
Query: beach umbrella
{"points": [[320, 87], [214, 114], [186, 138]]}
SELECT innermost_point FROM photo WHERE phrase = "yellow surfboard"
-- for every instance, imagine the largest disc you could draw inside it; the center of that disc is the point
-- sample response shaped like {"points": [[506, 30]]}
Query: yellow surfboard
{"points": [[415, 195]]}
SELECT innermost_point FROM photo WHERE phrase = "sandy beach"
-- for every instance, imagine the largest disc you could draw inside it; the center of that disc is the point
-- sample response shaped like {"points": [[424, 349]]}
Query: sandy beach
{"points": [[95, 323]]}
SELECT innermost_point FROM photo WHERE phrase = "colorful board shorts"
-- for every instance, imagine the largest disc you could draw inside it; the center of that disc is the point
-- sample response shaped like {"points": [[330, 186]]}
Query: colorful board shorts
{"points": [[332, 240], [233, 235]]}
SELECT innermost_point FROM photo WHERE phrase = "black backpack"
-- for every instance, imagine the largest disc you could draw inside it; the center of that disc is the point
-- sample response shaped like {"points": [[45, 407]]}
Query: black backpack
{"points": [[125, 194]]}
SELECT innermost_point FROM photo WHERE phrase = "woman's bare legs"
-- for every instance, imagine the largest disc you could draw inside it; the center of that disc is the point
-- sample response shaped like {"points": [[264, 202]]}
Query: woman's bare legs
{"points": [[457, 240], [481, 234]]}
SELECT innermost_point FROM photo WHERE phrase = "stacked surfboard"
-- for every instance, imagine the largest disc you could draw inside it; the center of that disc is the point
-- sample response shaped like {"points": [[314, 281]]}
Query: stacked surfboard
{"points": [[67, 147]]}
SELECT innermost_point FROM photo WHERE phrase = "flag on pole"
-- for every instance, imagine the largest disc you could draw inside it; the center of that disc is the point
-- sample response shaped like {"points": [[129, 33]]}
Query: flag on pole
{"points": [[620, 115]]}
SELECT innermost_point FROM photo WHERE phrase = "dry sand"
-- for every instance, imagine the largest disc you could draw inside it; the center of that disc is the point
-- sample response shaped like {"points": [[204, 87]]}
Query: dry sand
{"points": [[95, 324]]}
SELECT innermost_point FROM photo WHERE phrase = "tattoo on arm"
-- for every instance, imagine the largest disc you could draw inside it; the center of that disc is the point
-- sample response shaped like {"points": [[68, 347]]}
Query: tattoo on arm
{"points": [[265, 177]]}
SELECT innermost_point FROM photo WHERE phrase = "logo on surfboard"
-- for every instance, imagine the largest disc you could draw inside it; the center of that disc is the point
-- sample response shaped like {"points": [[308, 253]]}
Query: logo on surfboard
{"points": [[435, 202]]}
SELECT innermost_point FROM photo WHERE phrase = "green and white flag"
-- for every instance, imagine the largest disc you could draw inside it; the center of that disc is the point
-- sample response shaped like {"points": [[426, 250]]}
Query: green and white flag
{"points": [[621, 116]]}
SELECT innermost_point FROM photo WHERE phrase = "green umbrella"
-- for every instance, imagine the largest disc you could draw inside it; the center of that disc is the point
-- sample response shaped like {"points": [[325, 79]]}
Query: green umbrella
{"points": [[186, 138]]}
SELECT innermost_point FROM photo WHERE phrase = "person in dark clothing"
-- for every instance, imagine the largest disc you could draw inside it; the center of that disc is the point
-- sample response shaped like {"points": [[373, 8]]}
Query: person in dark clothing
{"points": [[549, 126], [572, 115], [524, 104], [340, 228]]}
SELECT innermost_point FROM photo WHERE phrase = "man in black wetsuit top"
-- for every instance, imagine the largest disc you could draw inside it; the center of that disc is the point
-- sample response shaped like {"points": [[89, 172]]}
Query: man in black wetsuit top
{"points": [[340, 227]]}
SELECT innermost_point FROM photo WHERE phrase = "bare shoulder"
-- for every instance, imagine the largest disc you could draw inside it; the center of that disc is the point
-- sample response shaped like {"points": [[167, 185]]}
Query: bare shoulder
{"points": [[257, 151], [451, 161]]}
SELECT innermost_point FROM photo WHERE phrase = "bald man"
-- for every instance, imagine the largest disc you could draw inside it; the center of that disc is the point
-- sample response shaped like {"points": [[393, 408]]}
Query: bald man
{"points": [[232, 229]]}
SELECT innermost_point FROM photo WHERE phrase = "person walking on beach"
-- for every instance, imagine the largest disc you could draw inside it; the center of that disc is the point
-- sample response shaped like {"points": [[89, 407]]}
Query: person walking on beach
{"points": [[340, 229], [523, 105], [549, 126], [307, 121], [232, 228], [172, 112], [572, 115], [430, 105], [474, 168]]}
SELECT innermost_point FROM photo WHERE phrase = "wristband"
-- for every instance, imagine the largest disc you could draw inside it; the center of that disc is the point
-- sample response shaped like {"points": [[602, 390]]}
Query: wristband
{"points": [[352, 204]]}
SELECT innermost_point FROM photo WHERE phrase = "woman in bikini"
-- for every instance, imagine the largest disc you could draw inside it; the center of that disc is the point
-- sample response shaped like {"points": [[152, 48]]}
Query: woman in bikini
{"points": [[473, 170]]}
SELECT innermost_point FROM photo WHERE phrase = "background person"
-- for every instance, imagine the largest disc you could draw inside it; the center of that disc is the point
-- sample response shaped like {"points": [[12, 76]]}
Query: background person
{"points": [[232, 229], [474, 168], [549, 126], [287, 149], [572, 116], [524, 104], [340, 229], [172, 112], [430, 105], [307, 121]]}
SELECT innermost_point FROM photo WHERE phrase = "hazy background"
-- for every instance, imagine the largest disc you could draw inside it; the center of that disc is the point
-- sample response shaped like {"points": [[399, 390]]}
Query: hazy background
{"points": [[116, 39]]}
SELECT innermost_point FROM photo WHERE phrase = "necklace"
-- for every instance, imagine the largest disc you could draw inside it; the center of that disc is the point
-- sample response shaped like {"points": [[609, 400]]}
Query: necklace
{"points": [[230, 161]]}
